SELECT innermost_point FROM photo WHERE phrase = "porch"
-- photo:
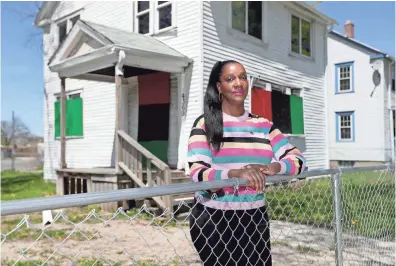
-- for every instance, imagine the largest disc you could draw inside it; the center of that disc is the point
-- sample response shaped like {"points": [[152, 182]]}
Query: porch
{"points": [[99, 53]]}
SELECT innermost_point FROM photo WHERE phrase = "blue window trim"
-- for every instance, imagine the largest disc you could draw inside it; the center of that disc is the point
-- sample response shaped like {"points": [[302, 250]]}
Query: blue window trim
{"points": [[337, 120], [337, 66]]}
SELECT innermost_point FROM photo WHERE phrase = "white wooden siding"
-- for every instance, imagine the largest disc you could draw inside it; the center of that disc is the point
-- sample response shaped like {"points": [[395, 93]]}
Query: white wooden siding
{"points": [[273, 62], [96, 147], [186, 41], [369, 111]]}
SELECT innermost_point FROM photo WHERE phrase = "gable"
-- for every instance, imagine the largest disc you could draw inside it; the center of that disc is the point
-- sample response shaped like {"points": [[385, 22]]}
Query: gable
{"points": [[81, 40], [86, 45], [94, 48]]}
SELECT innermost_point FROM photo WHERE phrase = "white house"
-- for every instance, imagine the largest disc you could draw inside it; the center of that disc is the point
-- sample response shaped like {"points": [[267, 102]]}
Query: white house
{"points": [[160, 55], [361, 101]]}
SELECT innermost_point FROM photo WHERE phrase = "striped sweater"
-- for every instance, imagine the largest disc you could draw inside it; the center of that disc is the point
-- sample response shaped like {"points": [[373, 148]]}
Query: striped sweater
{"points": [[248, 139]]}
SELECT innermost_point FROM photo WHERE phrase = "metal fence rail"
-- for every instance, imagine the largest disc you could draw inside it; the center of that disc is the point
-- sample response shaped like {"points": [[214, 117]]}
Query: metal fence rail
{"points": [[324, 217]]}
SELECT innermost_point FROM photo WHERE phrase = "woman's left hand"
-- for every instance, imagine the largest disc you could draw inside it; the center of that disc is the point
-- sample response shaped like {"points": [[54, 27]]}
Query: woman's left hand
{"points": [[268, 169]]}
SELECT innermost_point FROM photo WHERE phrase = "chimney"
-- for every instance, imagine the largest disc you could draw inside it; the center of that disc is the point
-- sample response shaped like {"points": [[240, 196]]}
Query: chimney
{"points": [[349, 29]]}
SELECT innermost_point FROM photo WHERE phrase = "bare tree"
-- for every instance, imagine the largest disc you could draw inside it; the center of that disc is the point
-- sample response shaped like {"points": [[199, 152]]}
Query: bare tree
{"points": [[13, 130], [29, 13]]}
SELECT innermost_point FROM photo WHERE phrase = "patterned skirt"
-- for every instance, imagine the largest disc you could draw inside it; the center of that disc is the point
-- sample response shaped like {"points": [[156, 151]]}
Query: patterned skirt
{"points": [[231, 237]]}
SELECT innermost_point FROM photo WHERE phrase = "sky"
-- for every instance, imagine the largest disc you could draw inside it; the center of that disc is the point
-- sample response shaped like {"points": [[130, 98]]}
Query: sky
{"points": [[22, 61], [21, 66]]}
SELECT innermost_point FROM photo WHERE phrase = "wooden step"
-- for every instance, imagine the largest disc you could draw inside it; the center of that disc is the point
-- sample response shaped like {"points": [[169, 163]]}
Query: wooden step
{"points": [[178, 173], [181, 180]]}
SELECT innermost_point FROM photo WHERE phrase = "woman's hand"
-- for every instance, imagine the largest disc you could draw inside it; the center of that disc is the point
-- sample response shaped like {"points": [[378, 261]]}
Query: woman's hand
{"points": [[268, 169], [255, 176]]}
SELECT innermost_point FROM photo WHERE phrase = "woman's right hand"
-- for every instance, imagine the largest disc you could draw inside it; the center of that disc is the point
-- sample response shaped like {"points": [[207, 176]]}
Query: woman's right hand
{"points": [[255, 177]]}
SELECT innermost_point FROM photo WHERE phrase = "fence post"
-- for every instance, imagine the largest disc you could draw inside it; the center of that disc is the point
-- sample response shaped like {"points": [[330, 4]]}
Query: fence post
{"points": [[336, 180]]}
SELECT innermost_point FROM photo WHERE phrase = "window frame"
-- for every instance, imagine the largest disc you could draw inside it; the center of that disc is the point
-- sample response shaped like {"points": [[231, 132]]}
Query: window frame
{"points": [[69, 24], [245, 36], [70, 93], [338, 126], [153, 12], [311, 35], [299, 92], [337, 81], [137, 14]]}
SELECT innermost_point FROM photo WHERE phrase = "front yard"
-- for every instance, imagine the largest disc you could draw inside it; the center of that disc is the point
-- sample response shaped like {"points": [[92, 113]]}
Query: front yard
{"points": [[301, 225]]}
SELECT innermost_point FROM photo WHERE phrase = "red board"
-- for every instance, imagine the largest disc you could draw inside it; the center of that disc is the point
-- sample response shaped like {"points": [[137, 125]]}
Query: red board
{"points": [[261, 103], [154, 88]]}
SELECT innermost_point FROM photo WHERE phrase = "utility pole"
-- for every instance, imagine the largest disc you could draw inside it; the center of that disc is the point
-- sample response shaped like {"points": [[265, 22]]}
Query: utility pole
{"points": [[13, 143]]}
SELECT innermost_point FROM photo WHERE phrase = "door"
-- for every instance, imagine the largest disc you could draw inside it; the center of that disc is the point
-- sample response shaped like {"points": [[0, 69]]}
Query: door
{"points": [[154, 105]]}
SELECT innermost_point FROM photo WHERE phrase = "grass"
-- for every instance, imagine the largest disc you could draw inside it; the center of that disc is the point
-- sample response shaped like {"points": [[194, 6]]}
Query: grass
{"points": [[23, 263], [20, 185], [368, 203]]}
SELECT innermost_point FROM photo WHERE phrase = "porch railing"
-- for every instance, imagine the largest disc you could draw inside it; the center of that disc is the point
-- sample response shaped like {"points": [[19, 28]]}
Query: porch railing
{"points": [[144, 168]]}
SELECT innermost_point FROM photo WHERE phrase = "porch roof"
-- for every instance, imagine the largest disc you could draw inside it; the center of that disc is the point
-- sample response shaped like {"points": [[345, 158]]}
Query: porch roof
{"points": [[91, 48]]}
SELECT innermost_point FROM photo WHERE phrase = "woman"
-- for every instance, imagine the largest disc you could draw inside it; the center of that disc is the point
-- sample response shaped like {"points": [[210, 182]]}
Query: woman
{"points": [[232, 227]]}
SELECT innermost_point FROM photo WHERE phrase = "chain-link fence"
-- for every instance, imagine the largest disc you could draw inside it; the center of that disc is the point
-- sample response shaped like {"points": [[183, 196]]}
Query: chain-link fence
{"points": [[26, 159], [338, 217]]}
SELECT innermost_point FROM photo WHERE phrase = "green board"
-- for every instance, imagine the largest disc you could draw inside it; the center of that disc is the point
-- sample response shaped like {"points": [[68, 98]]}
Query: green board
{"points": [[297, 114], [74, 118], [157, 147], [57, 119]]}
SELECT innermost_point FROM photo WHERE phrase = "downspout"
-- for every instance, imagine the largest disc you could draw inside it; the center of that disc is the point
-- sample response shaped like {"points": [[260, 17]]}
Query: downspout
{"points": [[120, 63], [251, 80], [120, 116], [392, 137], [326, 77], [183, 98]]}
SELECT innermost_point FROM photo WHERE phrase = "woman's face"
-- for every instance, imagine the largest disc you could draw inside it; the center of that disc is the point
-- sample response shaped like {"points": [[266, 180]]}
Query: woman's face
{"points": [[233, 83]]}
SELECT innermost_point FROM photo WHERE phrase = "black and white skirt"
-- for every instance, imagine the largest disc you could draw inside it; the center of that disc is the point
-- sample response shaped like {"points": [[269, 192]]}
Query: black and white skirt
{"points": [[231, 237]]}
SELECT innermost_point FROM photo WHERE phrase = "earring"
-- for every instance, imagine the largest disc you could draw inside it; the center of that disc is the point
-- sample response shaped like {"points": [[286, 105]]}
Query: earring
{"points": [[220, 97]]}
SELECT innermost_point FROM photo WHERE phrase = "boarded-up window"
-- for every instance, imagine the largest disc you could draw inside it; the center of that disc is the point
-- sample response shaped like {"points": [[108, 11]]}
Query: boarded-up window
{"points": [[261, 103], [285, 111], [281, 111], [154, 108], [297, 114], [74, 116]]}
